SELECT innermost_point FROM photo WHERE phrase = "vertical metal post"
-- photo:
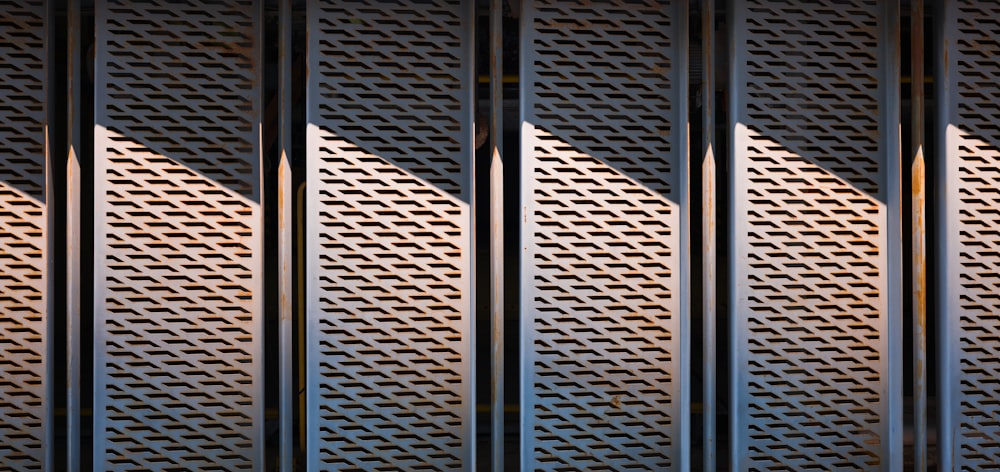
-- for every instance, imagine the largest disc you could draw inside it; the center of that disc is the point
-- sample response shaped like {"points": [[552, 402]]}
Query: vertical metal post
{"points": [[683, 330], [49, 257], [74, 227], [889, 56], [918, 237], [967, 82], [947, 209], [708, 228], [496, 233], [285, 260]]}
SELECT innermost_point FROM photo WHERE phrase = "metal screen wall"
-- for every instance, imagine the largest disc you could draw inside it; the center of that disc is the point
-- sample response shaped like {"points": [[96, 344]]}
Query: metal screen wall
{"points": [[604, 264], [968, 130], [25, 244], [815, 215], [389, 235], [385, 165], [178, 245]]}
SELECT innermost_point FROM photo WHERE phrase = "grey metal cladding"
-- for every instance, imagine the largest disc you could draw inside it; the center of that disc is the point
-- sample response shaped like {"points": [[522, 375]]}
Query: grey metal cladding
{"points": [[969, 198], [604, 262], [816, 273], [389, 235], [25, 275], [178, 243]]}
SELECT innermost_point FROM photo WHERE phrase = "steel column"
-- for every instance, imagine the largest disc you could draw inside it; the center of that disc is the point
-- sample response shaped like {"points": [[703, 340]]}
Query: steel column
{"points": [[604, 262], [968, 90], [74, 228], [26, 297], [389, 270], [816, 251], [496, 235], [708, 235], [918, 231], [286, 195], [178, 243]]}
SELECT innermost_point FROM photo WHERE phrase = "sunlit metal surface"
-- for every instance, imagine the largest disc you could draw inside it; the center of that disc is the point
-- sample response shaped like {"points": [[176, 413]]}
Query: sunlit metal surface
{"points": [[815, 266], [968, 191], [918, 236], [389, 235], [816, 247], [604, 267], [178, 252], [25, 244]]}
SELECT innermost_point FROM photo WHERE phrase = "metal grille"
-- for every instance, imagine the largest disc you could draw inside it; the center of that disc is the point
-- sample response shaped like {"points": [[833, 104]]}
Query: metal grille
{"points": [[389, 235], [970, 325], [24, 236], [815, 222], [178, 242], [604, 159]]}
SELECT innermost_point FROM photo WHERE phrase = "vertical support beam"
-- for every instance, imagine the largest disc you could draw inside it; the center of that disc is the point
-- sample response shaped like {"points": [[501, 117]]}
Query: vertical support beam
{"points": [[26, 211], [816, 213], [888, 56], [286, 195], [389, 275], [74, 228], [967, 83], [51, 296], [708, 234], [178, 236], [605, 247], [496, 234], [918, 236]]}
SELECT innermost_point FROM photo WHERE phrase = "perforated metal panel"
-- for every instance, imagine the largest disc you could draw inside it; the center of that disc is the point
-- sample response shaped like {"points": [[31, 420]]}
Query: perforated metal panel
{"points": [[389, 269], [816, 247], [25, 276], [604, 266], [969, 193], [178, 236]]}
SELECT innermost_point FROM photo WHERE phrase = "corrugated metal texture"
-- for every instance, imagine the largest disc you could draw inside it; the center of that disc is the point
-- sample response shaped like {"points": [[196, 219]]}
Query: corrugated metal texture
{"points": [[604, 266], [968, 130], [389, 235], [178, 251], [25, 270], [815, 210]]}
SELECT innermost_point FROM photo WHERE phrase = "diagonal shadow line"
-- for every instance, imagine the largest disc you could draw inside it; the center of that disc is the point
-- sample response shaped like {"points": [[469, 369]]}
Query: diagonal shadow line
{"points": [[410, 118], [177, 223], [603, 169], [26, 235], [824, 106], [390, 143], [813, 173]]}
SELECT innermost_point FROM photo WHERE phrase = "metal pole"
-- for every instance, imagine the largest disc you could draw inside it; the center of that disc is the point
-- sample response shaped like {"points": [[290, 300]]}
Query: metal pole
{"points": [[496, 231], [49, 256], [890, 54], [918, 238], [708, 229], [74, 226], [285, 223]]}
